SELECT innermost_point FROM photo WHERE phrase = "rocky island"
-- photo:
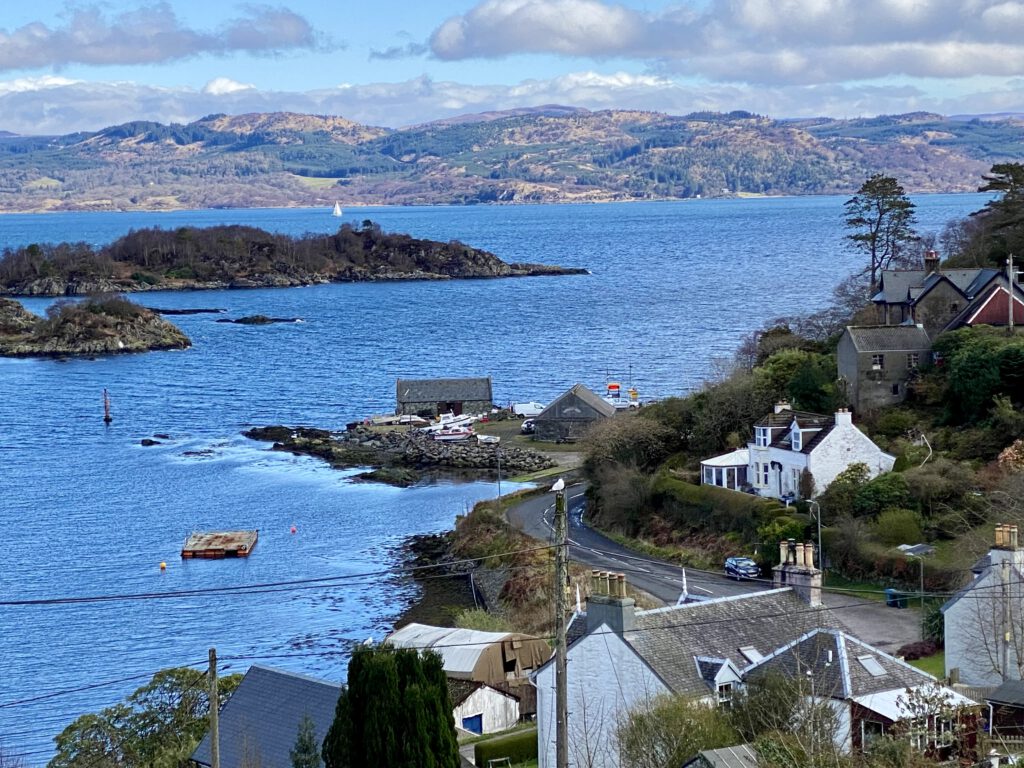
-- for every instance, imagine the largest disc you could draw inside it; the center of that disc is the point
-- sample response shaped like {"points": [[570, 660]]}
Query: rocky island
{"points": [[398, 457], [95, 326], [190, 258]]}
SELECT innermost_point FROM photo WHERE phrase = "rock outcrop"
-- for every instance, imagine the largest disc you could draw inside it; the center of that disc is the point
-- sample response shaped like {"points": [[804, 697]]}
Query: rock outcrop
{"points": [[412, 450], [91, 327]]}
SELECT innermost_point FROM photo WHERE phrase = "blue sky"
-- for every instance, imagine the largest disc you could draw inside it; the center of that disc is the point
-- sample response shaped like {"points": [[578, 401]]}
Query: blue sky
{"points": [[68, 66]]}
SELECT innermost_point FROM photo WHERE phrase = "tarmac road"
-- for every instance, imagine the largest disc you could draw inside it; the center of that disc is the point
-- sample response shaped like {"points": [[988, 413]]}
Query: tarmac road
{"points": [[885, 628], [660, 579]]}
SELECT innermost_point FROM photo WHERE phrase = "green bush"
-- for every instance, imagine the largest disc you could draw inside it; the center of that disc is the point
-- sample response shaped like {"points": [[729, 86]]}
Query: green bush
{"points": [[898, 526], [145, 277], [518, 747], [883, 492], [711, 509]]}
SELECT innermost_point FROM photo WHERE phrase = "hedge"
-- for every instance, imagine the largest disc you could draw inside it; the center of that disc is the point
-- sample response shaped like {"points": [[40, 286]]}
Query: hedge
{"points": [[713, 509], [519, 747]]}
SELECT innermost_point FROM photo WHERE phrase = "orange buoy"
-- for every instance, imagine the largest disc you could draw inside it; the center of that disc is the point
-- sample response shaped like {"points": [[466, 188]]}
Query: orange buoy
{"points": [[163, 566]]}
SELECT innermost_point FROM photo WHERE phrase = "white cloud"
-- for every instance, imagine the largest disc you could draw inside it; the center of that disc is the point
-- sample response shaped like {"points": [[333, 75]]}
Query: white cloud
{"points": [[755, 41], [51, 105], [147, 35], [222, 85]]}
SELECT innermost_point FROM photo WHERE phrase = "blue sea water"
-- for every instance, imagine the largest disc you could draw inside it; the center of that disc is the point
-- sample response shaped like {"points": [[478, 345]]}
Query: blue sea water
{"points": [[85, 510]]}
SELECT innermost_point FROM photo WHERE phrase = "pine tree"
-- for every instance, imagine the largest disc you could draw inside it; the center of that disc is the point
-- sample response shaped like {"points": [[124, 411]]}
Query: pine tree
{"points": [[883, 216], [305, 753]]}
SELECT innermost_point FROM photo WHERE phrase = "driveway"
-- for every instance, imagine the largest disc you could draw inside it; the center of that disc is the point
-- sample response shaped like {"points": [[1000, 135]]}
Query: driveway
{"points": [[871, 621]]}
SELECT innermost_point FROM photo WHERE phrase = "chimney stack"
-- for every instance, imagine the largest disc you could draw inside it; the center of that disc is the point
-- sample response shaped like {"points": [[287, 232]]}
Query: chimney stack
{"points": [[781, 406], [797, 571], [844, 416], [931, 262], [609, 605]]}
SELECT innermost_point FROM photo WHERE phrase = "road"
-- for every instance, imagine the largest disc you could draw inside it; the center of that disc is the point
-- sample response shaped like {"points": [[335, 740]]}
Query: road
{"points": [[872, 622], [662, 580]]}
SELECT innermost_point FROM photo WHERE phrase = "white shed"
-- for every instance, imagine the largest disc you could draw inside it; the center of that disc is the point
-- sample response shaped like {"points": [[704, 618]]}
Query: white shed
{"points": [[479, 708]]}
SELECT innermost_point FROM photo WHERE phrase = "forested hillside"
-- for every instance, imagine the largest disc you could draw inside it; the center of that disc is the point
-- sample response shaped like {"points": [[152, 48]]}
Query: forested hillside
{"points": [[544, 155]]}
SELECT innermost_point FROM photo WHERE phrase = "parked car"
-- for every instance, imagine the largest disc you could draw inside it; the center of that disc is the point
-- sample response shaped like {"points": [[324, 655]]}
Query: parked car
{"points": [[527, 427], [741, 568], [528, 410]]}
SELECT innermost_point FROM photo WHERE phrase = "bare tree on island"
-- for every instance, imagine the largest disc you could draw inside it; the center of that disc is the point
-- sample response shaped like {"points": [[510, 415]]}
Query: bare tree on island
{"points": [[883, 217]]}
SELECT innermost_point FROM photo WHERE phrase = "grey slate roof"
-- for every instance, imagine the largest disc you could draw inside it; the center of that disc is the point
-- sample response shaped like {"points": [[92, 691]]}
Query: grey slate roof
{"points": [[781, 422], [438, 390], [669, 639], [899, 286], [740, 756], [261, 719], [1011, 692], [889, 338], [833, 658], [554, 411]]}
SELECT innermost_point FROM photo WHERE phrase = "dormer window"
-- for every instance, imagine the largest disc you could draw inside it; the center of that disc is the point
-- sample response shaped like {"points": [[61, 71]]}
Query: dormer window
{"points": [[797, 440], [762, 437]]}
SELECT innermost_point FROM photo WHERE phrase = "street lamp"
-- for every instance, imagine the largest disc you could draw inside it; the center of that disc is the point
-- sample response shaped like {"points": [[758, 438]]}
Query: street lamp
{"points": [[920, 562], [821, 554]]}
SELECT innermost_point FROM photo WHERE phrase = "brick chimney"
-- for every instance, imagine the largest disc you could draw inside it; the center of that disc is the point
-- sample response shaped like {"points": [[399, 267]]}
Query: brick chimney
{"points": [[608, 604], [931, 262], [796, 570]]}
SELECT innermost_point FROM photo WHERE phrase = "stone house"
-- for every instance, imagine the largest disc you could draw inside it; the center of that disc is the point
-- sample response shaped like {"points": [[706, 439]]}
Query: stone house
{"points": [[260, 721], [432, 397], [570, 415], [984, 621], [788, 442], [877, 362]]}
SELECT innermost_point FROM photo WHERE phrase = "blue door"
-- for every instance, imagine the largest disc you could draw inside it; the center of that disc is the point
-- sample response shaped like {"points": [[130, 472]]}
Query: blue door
{"points": [[474, 724]]}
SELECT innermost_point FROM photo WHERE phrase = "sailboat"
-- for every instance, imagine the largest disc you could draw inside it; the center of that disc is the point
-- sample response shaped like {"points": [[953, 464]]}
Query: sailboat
{"points": [[337, 208]]}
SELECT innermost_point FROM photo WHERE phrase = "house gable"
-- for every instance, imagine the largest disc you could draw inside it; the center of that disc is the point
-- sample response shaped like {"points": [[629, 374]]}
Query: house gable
{"points": [[842, 447]]}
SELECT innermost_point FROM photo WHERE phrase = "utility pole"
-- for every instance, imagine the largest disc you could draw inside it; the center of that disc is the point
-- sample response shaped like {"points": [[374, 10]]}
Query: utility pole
{"points": [[1010, 285], [214, 713], [1004, 660], [561, 579]]}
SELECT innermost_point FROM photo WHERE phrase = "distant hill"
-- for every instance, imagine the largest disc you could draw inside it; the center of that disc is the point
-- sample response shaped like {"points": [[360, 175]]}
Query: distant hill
{"points": [[544, 154]]}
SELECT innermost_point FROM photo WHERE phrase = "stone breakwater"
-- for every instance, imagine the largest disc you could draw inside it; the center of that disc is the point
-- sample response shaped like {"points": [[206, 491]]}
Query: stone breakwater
{"points": [[400, 457]]}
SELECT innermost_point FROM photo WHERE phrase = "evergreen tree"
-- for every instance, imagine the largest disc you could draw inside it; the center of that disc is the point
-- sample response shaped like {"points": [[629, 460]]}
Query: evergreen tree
{"points": [[883, 217], [305, 753], [395, 711]]}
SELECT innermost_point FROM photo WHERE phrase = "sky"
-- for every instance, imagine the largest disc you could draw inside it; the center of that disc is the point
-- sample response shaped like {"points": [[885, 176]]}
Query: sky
{"points": [[71, 66]]}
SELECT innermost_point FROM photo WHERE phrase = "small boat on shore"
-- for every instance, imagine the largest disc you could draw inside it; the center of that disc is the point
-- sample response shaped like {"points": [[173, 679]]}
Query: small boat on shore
{"points": [[488, 439], [453, 434]]}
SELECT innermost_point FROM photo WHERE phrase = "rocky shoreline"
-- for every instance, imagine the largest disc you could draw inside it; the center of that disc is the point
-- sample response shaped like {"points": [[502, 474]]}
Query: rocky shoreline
{"points": [[400, 458], [93, 327]]}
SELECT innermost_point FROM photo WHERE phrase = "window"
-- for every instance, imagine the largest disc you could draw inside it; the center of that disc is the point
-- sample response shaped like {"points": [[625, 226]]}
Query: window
{"points": [[870, 663], [954, 307], [869, 731], [761, 436], [751, 654], [725, 694], [896, 388], [764, 475], [757, 473], [878, 362], [913, 360], [797, 440]]}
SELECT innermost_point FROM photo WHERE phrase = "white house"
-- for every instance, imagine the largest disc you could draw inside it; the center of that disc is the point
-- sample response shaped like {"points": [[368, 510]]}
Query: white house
{"points": [[626, 658], [787, 442], [481, 708], [984, 621]]}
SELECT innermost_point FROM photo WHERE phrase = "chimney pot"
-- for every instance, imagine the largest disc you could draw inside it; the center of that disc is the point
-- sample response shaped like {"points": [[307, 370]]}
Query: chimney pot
{"points": [[782, 551], [799, 561], [809, 554], [1000, 535], [622, 585]]}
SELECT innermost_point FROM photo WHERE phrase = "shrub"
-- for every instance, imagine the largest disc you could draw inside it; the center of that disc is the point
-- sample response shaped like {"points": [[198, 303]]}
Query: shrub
{"points": [[898, 526], [881, 493], [711, 509], [918, 649], [518, 747]]}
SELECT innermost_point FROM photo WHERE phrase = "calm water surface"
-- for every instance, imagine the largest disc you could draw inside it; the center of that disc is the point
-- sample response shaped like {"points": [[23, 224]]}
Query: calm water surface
{"points": [[87, 511]]}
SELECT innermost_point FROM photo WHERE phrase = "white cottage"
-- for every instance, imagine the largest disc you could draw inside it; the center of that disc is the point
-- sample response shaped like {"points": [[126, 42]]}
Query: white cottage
{"points": [[627, 658], [787, 442], [984, 621]]}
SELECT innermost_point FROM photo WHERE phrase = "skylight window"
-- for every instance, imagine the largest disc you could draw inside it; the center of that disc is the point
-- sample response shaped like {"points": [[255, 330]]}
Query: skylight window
{"points": [[751, 654], [870, 663]]}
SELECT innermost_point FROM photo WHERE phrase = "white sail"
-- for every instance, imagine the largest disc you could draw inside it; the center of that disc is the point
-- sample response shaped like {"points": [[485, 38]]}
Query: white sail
{"points": [[337, 208]]}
